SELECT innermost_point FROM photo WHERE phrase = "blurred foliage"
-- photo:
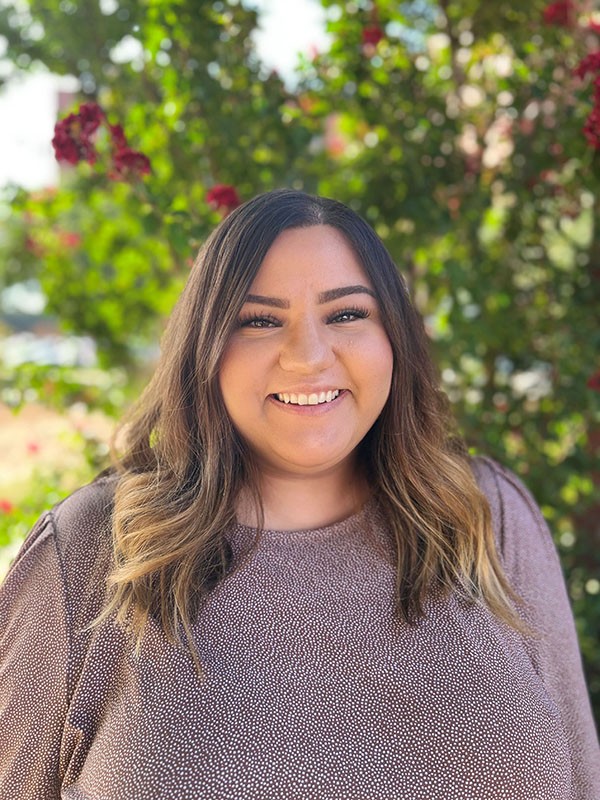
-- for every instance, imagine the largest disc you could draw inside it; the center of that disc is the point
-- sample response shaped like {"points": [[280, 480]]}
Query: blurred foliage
{"points": [[455, 128], [46, 488], [60, 387]]}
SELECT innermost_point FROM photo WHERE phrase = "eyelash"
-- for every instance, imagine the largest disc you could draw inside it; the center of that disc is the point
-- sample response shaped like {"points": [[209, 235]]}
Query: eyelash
{"points": [[246, 320], [249, 320], [354, 311]]}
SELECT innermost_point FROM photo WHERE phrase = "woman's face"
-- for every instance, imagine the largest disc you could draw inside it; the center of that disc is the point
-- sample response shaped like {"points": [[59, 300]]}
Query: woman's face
{"points": [[308, 370]]}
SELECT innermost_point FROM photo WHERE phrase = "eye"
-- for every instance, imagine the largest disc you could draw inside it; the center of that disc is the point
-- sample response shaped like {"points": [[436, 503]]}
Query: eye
{"points": [[258, 321], [350, 315]]}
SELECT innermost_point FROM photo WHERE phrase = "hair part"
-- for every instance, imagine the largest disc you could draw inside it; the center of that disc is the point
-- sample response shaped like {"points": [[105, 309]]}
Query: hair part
{"points": [[184, 464]]}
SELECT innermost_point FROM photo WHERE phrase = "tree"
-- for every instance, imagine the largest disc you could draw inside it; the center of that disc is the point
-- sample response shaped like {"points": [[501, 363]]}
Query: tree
{"points": [[466, 133]]}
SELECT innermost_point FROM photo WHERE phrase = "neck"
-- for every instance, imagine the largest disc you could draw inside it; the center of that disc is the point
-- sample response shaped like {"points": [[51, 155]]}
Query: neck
{"points": [[294, 502]]}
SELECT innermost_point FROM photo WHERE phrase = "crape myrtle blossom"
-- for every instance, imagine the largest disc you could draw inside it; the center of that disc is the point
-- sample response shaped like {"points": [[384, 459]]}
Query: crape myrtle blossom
{"points": [[593, 381], [591, 129], [564, 14], [561, 13], [224, 197], [69, 239], [6, 507], [117, 135], [74, 141], [372, 34], [129, 163], [590, 65]]}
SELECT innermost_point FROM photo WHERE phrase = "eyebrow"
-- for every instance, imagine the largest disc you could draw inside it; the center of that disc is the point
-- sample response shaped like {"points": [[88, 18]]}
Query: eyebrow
{"points": [[343, 291], [323, 297]]}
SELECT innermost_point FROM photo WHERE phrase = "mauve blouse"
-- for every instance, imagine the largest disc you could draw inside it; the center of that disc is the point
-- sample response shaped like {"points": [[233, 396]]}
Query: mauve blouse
{"points": [[312, 690]]}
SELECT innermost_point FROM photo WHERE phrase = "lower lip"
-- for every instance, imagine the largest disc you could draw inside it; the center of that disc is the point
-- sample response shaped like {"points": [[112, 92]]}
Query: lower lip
{"points": [[308, 410]]}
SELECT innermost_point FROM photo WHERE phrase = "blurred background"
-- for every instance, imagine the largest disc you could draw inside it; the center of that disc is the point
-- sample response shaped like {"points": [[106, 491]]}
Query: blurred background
{"points": [[467, 133]]}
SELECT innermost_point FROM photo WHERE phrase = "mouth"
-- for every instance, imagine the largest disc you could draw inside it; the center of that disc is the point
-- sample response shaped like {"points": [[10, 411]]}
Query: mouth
{"points": [[313, 399]]}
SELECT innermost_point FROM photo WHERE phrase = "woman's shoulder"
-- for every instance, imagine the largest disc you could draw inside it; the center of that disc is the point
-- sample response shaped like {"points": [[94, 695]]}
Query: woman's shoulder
{"points": [[522, 534], [82, 530], [72, 540], [84, 517], [64, 559], [503, 489]]}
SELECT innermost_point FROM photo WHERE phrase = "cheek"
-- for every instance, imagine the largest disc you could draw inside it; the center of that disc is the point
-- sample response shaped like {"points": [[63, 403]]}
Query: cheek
{"points": [[230, 379], [379, 359], [242, 377]]}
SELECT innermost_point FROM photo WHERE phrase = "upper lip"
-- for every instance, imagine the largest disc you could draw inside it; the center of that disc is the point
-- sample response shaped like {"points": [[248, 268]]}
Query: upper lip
{"points": [[309, 390]]}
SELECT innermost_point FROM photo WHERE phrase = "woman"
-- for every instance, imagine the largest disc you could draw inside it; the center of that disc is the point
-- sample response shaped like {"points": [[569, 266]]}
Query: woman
{"points": [[295, 584]]}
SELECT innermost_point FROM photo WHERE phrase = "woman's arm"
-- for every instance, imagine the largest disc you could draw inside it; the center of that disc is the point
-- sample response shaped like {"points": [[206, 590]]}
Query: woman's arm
{"points": [[34, 661], [532, 566]]}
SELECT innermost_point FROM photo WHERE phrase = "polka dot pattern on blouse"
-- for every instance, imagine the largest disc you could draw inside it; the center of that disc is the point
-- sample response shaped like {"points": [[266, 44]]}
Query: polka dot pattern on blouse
{"points": [[312, 690]]}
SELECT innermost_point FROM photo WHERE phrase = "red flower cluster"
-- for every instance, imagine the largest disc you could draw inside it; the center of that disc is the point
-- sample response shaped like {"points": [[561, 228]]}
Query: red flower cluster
{"points": [[68, 239], [591, 129], [593, 381], [589, 64], [117, 134], [129, 163], [73, 142], [560, 13], [372, 34], [6, 507], [223, 196], [126, 162]]}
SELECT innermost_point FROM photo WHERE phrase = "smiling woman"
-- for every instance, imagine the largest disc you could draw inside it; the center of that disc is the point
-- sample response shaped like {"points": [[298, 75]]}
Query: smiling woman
{"points": [[307, 373], [294, 582]]}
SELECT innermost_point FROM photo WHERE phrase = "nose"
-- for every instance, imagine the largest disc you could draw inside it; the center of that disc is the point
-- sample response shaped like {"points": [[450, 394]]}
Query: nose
{"points": [[306, 348]]}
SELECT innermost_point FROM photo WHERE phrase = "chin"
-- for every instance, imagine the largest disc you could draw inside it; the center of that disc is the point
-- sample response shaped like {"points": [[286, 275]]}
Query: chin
{"points": [[315, 464]]}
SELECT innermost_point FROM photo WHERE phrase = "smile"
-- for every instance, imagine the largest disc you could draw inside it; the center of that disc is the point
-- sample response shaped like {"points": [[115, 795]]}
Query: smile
{"points": [[313, 399]]}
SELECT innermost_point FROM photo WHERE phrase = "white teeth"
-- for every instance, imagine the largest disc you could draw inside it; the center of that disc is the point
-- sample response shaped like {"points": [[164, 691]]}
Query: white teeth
{"points": [[313, 399]]}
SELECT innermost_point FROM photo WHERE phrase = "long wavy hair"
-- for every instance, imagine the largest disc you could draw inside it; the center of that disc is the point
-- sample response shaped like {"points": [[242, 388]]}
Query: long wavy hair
{"points": [[183, 464]]}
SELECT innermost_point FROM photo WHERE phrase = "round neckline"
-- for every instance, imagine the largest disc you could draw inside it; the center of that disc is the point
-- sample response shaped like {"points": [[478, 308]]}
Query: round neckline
{"points": [[333, 527]]}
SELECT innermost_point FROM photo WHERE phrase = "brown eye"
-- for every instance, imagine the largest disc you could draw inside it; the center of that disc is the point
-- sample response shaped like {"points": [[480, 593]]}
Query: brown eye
{"points": [[350, 315], [258, 321]]}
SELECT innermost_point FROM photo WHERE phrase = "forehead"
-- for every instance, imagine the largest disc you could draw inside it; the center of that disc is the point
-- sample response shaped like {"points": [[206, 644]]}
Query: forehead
{"points": [[318, 257]]}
